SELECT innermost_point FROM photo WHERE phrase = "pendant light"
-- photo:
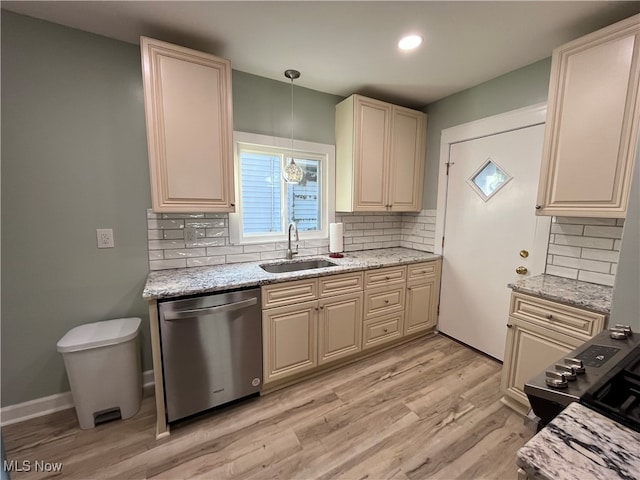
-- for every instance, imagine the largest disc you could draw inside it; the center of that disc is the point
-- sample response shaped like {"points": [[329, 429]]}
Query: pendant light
{"points": [[292, 173]]}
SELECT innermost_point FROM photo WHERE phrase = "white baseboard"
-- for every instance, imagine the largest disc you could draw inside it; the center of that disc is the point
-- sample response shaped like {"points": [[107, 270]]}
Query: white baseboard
{"points": [[54, 403]]}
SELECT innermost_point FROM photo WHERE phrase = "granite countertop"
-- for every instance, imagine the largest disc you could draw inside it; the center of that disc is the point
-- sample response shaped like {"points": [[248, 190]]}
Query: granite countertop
{"points": [[582, 444], [191, 281], [576, 293]]}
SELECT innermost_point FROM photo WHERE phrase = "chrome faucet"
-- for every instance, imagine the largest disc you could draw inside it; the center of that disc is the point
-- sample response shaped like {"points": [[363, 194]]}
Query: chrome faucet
{"points": [[291, 253]]}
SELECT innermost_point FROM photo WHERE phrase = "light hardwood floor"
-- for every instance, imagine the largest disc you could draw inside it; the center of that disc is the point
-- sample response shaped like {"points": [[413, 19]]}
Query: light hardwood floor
{"points": [[426, 409]]}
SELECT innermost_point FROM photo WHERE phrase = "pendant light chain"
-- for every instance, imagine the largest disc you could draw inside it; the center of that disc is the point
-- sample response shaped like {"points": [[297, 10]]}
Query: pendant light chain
{"points": [[292, 173]]}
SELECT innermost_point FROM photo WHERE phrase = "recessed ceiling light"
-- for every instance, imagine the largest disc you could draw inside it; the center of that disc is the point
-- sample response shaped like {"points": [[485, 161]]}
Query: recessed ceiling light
{"points": [[410, 42]]}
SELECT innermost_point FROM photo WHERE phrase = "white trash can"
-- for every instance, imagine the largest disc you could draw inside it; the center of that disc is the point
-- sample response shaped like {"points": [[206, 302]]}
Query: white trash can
{"points": [[103, 365]]}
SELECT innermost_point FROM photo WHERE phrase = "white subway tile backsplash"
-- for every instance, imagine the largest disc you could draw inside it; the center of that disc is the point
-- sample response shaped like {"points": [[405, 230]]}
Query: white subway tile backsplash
{"points": [[610, 256], [209, 242], [184, 253], [205, 223], [216, 232], [165, 244], [205, 261], [173, 234], [183, 215], [164, 264], [564, 250], [226, 250], [154, 235], [582, 264], [562, 271], [606, 232], [156, 254], [585, 248], [585, 220], [593, 277], [567, 229], [243, 257], [589, 242], [164, 224], [259, 247]]}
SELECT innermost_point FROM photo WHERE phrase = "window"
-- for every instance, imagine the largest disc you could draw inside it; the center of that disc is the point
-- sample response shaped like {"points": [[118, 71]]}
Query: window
{"points": [[265, 204]]}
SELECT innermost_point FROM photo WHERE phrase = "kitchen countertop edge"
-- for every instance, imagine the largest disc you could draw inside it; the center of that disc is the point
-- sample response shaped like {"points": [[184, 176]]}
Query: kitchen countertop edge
{"points": [[179, 282], [576, 293], [581, 443]]}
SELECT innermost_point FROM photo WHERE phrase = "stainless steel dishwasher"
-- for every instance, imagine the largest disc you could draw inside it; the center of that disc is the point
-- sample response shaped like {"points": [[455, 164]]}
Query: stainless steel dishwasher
{"points": [[211, 350]]}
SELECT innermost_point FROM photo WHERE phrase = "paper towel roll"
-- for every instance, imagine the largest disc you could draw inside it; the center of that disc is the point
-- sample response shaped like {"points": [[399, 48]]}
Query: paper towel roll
{"points": [[336, 243]]}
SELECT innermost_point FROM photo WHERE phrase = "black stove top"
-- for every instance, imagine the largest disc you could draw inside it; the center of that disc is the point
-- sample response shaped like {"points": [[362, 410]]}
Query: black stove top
{"points": [[599, 372], [617, 394]]}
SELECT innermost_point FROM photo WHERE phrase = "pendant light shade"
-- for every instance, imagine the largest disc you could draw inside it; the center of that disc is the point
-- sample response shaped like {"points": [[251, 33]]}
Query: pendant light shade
{"points": [[292, 173]]}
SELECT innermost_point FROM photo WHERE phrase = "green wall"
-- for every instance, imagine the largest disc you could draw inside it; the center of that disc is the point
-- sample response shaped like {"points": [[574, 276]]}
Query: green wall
{"points": [[74, 158], [523, 87]]}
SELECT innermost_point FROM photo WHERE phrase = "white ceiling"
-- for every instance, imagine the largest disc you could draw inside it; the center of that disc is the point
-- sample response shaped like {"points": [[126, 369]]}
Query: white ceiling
{"points": [[350, 47]]}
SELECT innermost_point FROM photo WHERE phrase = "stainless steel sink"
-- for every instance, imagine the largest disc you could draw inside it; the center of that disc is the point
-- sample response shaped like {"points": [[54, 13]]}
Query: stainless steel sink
{"points": [[296, 266]]}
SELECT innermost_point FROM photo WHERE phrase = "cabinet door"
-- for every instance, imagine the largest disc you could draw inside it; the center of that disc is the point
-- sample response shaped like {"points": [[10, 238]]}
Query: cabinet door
{"points": [[406, 172], [592, 124], [187, 97], [529, 350], [289, 340], [372, 149], [339, 327], [421, 312]]}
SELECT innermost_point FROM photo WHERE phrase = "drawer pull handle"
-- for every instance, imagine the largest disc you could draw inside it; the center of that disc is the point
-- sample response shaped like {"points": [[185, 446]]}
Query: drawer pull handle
{"points": [[386, 301], [316, 308], [385, 330], [387, 277], [548, 316], [509, 325]]}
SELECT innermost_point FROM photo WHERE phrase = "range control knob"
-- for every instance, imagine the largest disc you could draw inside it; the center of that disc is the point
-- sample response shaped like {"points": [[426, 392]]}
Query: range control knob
{"points": [[576, 364], [618, 333], [556, 379], [568, 371], [625, 328]]}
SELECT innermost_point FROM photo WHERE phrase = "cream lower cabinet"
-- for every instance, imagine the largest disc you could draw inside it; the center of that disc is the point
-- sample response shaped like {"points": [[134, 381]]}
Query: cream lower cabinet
{"points": [[539, 333], [423, 293], [593, 119], [289, 340], [339, 327], [384, 298], [308, 323]]}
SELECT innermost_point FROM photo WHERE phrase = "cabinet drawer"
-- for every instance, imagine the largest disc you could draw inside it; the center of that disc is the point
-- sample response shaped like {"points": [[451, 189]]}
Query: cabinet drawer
{"points": [[384, 300], [339, 284], [422, 272], [289, 292], [385, 276], [556, 316], [381, 330]]}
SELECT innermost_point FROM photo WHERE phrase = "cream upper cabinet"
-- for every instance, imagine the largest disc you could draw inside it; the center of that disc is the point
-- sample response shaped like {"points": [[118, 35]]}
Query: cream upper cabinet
{"points": [[187, 96], [592, 125], [539, 333], [380, 154]]}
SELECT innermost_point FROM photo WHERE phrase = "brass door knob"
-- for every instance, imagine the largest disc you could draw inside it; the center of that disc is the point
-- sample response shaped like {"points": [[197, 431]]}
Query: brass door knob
{"points": [[521, 270]]}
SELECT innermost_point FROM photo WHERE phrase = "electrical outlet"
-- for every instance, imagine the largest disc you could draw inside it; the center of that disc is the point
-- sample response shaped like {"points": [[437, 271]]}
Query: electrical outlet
{"points": [[190, 236], [105, 237]]}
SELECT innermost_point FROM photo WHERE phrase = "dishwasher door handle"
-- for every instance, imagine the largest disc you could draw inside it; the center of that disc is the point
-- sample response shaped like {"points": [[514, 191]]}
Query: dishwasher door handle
{"points": [[196, 312]]}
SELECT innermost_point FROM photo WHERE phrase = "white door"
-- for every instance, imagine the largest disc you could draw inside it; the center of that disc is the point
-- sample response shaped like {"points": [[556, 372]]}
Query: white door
{"points": [[490, 218]]}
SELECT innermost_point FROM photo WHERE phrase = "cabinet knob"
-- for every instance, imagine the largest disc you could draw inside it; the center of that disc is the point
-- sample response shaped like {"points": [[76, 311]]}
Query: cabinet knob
{"points": [[521, 270], [387, 277], [316, 308], [232, 204], [548, 316], [322, 307], [385, 330], [509, 325], [538, 207]]}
